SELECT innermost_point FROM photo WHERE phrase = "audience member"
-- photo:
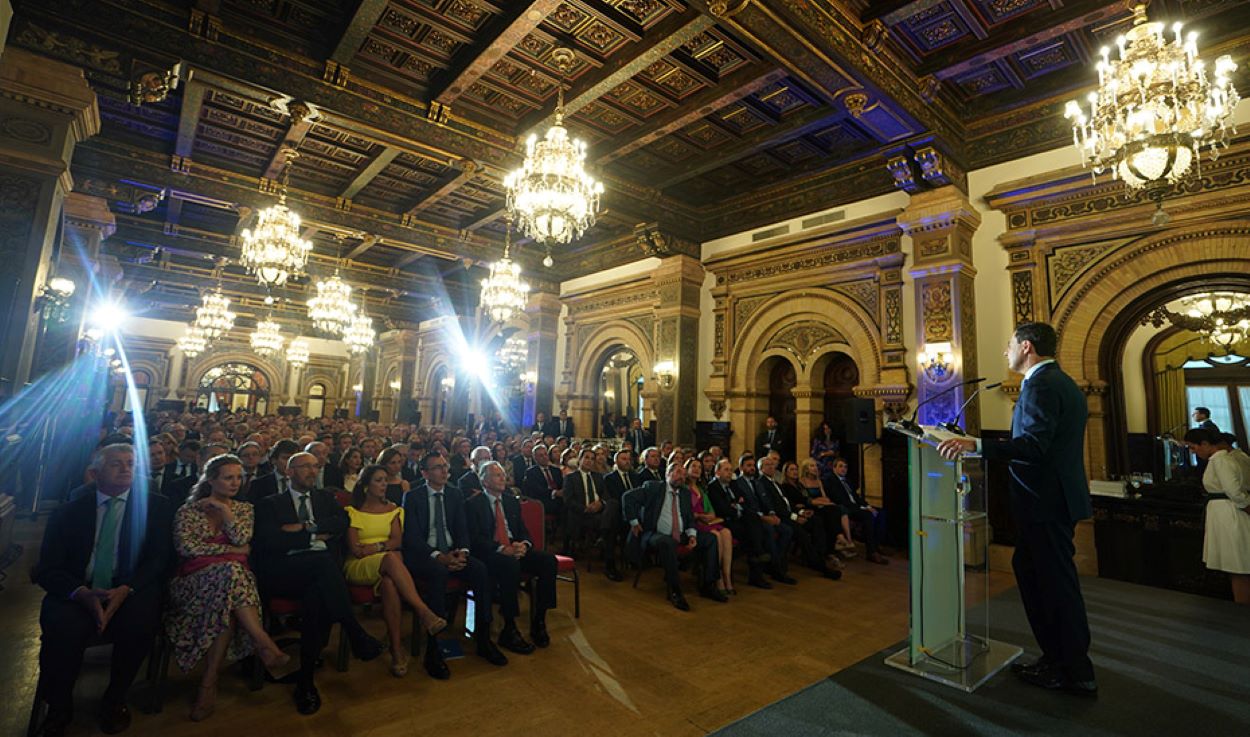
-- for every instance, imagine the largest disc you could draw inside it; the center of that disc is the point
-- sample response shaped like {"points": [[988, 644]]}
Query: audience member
{"points": [[855, 509], [351, 462], [396, 485], [274, 480], [771, 438], [249, 454], [650, 471], [180, 488], [735, 505], [592, 509], [706, 520]]}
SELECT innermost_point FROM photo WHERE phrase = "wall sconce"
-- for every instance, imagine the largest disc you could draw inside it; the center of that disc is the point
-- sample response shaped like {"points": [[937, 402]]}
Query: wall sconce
{"points": [[358, 388], [937, 360], [609, 394], [448, 383], [666, 373], [395, 385], [53, 298]]}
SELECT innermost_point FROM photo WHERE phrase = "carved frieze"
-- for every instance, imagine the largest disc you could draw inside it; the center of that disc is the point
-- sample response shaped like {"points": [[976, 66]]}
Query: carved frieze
{"points": [[1065, 263], [803, 338], [1022, 296], [744, 307], [718, 341], [894, 316], [935, 307], [641, 297], [841, 255]]}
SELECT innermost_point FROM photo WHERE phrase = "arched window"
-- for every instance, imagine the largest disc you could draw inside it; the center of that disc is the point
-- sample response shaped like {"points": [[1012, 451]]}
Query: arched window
{"points": [[317, 400], [233, 386]]}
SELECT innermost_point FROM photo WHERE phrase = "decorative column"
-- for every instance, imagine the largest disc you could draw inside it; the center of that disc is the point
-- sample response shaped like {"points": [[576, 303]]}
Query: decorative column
{"points": [[544, 320], [46, 108], [174, 379], [678, 281], [941, 223]]}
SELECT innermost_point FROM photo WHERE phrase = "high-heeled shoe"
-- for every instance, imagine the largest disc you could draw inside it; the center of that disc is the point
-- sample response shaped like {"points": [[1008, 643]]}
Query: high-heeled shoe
{"points": [[433, 623], [205, 704], [273, 659]]}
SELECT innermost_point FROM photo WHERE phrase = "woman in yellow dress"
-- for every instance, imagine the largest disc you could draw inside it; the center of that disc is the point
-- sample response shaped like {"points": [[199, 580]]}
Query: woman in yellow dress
{"points": [[374, 541]]}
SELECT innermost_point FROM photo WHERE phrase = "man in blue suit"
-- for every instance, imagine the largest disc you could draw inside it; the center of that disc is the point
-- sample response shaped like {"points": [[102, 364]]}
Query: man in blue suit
{"points": [[436, 547], [1049, 495]]}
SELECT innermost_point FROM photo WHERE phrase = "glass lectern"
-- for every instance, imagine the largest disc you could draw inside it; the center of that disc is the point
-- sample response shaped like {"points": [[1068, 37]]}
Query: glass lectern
{"points": [[949, 568]]}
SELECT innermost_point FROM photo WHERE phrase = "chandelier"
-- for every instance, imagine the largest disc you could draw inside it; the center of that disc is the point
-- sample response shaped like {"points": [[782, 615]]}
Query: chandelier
{"points": [[332, 310], [513, 353], [274, 250], [1221, 318], [213, 317], [1154, 107], [297, 352], [193, 342], [267, 338], [359, 333], [503, 291], [552, 194]]}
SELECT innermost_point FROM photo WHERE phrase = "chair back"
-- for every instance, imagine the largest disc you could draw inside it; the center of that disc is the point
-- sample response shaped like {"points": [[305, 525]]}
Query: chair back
{"points": [[344, 498], [532, 516]]}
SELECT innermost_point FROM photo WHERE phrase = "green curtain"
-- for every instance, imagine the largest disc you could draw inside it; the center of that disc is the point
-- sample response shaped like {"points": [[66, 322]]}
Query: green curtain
{"points": [[1170, 395]]}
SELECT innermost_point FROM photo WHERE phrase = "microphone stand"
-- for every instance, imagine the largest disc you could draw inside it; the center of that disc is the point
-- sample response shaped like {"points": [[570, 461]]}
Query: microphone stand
{"points": [[953, 425], [910, 425]]}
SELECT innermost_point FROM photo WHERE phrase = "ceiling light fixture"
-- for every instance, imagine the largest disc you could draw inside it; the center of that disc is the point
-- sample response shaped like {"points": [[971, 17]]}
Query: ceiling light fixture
{"points": [[213, 317], [297, 352], [331, 311], [274, 250], [267, 339], [504, 293], [552, 195]]}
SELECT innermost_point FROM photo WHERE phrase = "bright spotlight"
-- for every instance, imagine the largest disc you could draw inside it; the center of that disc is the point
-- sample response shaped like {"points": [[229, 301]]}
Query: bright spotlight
{"points": [[108, 317], [478, 365]]}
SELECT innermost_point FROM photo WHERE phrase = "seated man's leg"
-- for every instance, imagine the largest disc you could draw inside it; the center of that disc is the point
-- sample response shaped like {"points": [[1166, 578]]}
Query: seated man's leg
{"points": [[708, 551], [542, 566], [431, 579], [66, 629], [867, 524], [476, 577], [505, 574], [665, 548], [609, 527], [131, 630], [783, 535]]}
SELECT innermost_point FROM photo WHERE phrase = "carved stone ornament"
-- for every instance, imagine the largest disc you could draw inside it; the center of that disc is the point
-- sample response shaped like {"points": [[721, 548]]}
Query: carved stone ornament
{"points": [[855, 103], [1022, 296], [153, 86], [725, 9], [900, 168], [1066, 263], [935, 305], [718, 407], [894, 316], [803, 338]]}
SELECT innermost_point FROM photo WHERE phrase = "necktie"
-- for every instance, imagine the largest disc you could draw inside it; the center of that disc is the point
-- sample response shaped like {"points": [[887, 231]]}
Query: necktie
{"points": [[547, 472], [624, 481], [501, 528], [589, 483], [304, 516], [676, 516], [105, 547], [440, 524]]}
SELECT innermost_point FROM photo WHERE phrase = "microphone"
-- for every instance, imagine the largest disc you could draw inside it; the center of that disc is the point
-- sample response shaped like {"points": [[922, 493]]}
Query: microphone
{"points": [[910, 422], [953, 425]]}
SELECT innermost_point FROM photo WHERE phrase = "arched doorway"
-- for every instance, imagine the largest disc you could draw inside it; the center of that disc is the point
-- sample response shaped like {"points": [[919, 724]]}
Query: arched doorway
{"points": [[840, 377], [234, 386], [317, 400], [781, 403], [619, 392]]}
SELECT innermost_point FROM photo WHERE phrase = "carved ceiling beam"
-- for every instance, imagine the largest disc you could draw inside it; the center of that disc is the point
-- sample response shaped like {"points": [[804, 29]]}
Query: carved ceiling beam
{"points": [[173, 214], [490, 44], [667, 36], [891, 11], [1014, 37], [739, 84], [764, 138], [827, 50], [484, 219], [188, 121], [376, 164], [452, 182], [301, 122], [111, 162], [369, 241], [409, 259], [357, 30]]}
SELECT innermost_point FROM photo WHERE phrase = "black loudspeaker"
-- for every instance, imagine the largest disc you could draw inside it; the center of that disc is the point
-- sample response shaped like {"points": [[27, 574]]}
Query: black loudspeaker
{"points": [[854, 421]]}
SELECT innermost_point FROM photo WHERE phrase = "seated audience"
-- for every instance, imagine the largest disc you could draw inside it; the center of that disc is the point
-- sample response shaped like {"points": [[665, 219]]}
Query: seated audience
{"points": [[374, 541], [543, 481], [214, 608], [328, 474], [101, 582], [179, 489], [249, 454], [469, 482], [735, 505], [274, 480], [436, 547], [651, 463], [809, 536], [707, 521], [592, 510], [501, 541], [299, 536], [661, 520], [396, 485], [802, 486], [351, 461], [855, 509]]}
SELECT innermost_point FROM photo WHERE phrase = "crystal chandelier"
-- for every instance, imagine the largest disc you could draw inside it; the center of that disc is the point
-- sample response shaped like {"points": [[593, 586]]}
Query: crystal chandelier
{"points": [[213, 317], [1221, 318], [267, 338], [274, 250], [552, 194], [297, 352], [332, 310], [503, 291], [513, 353], [193, 342], [1154, 107], [359, 333]]}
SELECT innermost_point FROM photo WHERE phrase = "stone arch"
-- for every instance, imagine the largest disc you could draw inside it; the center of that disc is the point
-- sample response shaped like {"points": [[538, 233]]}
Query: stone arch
{"points": [[273, 373], [592, 349], [1117, 290]]}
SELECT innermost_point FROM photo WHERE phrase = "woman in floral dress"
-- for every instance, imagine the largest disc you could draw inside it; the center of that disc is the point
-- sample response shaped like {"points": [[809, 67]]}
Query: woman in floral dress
{"points": [[214, 607]]}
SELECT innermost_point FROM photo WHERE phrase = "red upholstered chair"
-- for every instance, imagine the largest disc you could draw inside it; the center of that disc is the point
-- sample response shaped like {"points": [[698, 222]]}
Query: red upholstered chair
{"points": [[566, 567]]}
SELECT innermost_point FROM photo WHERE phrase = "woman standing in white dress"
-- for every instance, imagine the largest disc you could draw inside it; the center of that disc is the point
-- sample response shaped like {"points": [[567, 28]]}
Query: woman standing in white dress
{"points": [[1226, 544]]}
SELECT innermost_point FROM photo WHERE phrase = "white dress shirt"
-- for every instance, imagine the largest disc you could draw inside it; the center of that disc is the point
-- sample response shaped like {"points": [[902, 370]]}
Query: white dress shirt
{"points": [[313, 542]]}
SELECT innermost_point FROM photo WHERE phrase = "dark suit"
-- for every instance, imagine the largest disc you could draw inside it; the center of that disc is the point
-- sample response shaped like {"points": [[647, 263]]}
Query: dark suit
{"points": [[505, 570], [770, 500], [179, 489], [738, 508], [1049, 494], [267, 485], [640, 439], [411, 473], [556, 427], [778, 443], [469, 483], [1209, 424], [431, 575], [537, 486], [171, 472], [67, 627], [605, 521], [644, 474], [287, 566], [331, 477], [644, 505], [854, 507], [519, 467]]}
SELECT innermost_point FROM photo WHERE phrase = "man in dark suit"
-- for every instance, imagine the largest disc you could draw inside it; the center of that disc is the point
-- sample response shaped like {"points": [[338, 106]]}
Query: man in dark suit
{"points": [[637, 436], [179, 489], [271, 483], [592, 509], [1049, 495], [855, 508], [501, 541], [522, 462], [1202, 419], [737, 507], [470, 482], [651, 466], [328, 476], [560, 426], [102, 563], [184, 464], [540, 423], [772, 438], [436, 547], [297, 553], [249, 454], [661, 519], [411, 472], [780, 523], [544, 482]]}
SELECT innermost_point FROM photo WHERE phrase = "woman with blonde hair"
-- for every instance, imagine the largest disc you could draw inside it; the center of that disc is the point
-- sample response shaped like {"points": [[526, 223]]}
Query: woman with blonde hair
{"points": [[214, 605]]}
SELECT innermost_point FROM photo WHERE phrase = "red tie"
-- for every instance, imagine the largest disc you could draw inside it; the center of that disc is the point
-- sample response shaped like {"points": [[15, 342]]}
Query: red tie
{"points": [[676, 517], [551, 485], [501, 528]]}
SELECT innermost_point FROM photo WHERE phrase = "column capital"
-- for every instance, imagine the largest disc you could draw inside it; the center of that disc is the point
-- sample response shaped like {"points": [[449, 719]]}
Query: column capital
{"points": [[937, 210], [90, 212]]}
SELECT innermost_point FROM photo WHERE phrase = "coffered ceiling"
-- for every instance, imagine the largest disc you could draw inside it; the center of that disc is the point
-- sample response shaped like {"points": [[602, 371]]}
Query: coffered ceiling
{"points": [[702, 118]]}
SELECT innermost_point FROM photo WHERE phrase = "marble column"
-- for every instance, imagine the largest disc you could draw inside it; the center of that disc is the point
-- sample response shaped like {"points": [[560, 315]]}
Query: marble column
{"points": [[678, 281], [174, 379], [543, 311], [941, 223], [46, 108]]}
